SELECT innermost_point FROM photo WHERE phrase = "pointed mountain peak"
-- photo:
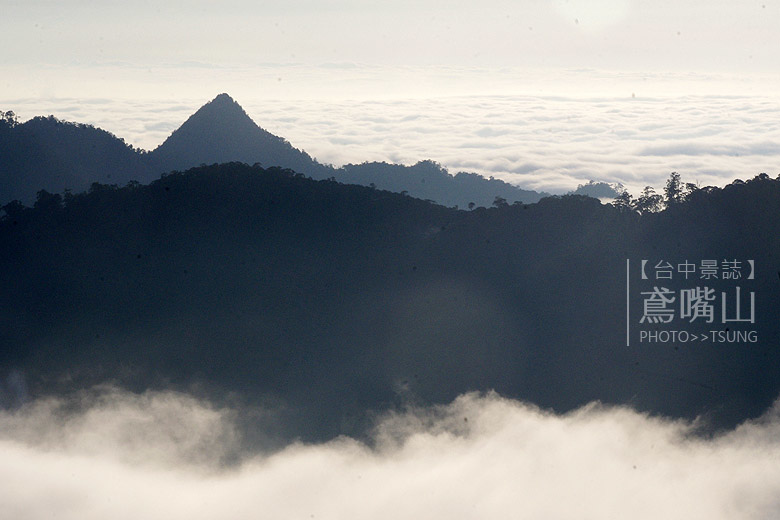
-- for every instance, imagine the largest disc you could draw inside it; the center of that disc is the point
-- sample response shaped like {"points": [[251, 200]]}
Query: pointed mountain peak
{"points": [[223, 97], [223, 100], [219, 123], [222, 108], [221, 131]]}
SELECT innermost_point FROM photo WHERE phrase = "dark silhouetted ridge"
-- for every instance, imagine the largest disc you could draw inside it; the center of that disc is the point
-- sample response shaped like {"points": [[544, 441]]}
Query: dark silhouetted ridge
{"points": [[221, 131], [330, 298], [49, 154]]}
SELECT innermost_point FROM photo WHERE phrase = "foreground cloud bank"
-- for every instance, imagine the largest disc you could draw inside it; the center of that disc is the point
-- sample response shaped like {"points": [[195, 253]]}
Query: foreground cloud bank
{"points": [[162, 456]]}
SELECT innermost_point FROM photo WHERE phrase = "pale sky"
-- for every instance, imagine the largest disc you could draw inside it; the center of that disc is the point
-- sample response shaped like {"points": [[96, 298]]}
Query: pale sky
{"points": [[659, 35], [704, 76], [134, 48]]}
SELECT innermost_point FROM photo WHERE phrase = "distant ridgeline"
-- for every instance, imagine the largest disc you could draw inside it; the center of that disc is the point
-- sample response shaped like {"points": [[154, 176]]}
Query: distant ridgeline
{"points": [[331, 300], [48, 154]]}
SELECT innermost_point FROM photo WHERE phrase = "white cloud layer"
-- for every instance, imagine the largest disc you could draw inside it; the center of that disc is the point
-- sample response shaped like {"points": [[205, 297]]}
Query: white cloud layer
{"points": [[156, 456], [564, 129]]}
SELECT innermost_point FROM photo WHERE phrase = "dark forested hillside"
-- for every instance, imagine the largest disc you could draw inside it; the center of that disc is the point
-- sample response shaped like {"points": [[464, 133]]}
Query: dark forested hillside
{"points": [[330, 300], [46, 153]]}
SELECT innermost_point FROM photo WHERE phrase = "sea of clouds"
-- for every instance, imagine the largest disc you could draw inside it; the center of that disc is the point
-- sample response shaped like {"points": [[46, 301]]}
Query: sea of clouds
{"points": [[108, 453], [544, 131], [550, 144]]}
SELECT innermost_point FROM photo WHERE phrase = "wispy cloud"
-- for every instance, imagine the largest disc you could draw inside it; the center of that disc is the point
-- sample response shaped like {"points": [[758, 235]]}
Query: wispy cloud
{"points": [[158, 455]]}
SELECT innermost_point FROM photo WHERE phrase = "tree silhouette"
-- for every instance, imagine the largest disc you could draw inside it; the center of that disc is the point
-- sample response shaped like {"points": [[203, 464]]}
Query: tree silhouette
{"points": [[649, 201], [500, 202], [690, 189], [673, 192], [13, 210], [624, 201], [8, 119], [47, 201]]}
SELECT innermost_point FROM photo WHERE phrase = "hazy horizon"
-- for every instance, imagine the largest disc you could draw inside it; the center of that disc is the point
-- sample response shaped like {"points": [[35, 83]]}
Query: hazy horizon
{"points": [[620, 128], [692, 86]]}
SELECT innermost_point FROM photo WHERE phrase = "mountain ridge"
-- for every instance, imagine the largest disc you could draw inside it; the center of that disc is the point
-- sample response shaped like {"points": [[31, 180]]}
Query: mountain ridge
{"points": [[221, 131], [337, 298], [34, 159]]}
